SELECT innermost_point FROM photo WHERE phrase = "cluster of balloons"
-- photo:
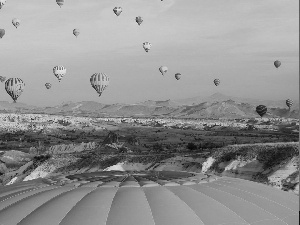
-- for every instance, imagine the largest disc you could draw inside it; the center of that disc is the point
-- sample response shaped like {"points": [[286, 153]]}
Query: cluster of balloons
{"points": [[99, 81]]}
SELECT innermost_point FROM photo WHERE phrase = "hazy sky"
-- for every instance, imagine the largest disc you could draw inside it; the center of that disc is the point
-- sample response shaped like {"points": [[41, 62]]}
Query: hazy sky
{"points": [[236, 41]]}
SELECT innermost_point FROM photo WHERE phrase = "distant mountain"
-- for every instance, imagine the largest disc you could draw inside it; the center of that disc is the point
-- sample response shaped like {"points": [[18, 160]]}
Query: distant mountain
{"points": [[218, 97], [214, 106]]}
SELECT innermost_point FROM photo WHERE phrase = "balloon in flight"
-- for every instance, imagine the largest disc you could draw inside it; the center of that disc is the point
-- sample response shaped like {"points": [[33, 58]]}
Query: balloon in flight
{"points": [[2, 79], [2, 33], [216, 82], [14, 87], [147, 46], [277, 63], [16, 22], [163, 69], [76, 32], [139, 20], [59, 72], [60, 2], [99, 82], [2, 3], [48, 85], [289, 103], [261, 110], [117, 10], [178, 76]]}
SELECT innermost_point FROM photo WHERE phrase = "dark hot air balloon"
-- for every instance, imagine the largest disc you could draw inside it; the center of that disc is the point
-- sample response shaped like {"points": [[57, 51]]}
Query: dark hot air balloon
{"points": [[277, 63], [2, 79], [261, 110], [2, 33], [139, 20], [178, 76]]}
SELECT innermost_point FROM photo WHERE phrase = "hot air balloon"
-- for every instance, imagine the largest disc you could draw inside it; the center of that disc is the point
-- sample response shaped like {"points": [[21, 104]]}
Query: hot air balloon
{"points": [[147, 46], [277, 63], [16, 22], [117, 10], [139, 20], [216, 82], [2, 79], [60, 2], [2, 3], [14, 87], [59, 72], [145, 198], [163, 69], [76, 32], [177, 76], [261, 110], [289, 103], [99, 82], [2, 33], [48, 85]]}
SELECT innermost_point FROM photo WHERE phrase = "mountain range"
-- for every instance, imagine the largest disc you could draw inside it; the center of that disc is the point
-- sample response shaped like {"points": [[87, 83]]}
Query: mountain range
{"points": [[214, 106]]}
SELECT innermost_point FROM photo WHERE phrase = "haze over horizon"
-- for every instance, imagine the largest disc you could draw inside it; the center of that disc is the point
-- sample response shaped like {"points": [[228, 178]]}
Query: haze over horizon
{"points": [[235, 41]]}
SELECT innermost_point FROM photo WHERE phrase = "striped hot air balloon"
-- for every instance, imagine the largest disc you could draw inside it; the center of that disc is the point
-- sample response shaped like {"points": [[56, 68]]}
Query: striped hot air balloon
{"points": [[163, 69], [99, 82], [2, 3], [117, 10], [147, 46], [60, 2], [289, 103], [277, 63], [59, 72], [261, 110], [178, 76], [48, 85], [139, 20], [14, 87], [217, 82]]}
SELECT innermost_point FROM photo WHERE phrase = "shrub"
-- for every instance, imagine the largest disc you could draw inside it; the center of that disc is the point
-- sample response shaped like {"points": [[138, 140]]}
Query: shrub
{"points": [[191, 146]]}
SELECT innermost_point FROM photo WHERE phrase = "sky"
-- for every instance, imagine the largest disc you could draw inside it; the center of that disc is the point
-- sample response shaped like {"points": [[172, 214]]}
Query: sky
{"points": [[235, 41]]}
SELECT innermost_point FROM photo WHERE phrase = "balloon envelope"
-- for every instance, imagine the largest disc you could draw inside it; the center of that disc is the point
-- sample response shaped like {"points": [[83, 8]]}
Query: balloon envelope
{"points": [[16, 22], [163, 69], [2, 33], [216, 82], [177, 76], [117, 10], [139, 20], [277, 63], [60, 2], [2, 79], [76, 32], [48, 85], [99, 82], [14, 87], [2, 3], [147, 46], [59, 72], [289, 103], [145, 198], [261, 110]]}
